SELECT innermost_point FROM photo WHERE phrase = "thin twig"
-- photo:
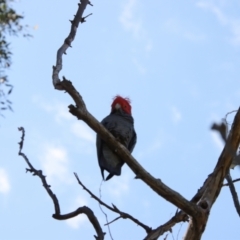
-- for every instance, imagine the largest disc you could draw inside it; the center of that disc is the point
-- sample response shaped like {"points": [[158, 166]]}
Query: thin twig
{"points": [[179, 229], [233, 192], [235, 180], [112, 221], [100, 196], [225, 119], [114, 208]]}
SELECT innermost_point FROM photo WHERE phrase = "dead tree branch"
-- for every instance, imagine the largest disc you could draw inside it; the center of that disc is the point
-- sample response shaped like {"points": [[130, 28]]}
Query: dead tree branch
{"points": [[67, 42], [233, 192], [222, 130], [205, 197], [114, 208], [215, 181], [80, 111], [156, 233], [57, 215]]}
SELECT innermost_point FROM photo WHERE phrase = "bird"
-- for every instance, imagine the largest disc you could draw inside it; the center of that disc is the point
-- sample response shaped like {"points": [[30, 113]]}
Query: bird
{"points": [[120, 124]]}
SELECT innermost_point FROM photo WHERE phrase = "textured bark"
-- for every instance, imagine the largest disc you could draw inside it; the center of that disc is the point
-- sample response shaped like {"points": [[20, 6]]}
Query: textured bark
{"points": [[215, 182], [67, 42]]}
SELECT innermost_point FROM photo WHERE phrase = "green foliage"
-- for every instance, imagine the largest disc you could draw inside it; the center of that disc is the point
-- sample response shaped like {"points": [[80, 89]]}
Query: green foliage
{"points": [[9, 25]]}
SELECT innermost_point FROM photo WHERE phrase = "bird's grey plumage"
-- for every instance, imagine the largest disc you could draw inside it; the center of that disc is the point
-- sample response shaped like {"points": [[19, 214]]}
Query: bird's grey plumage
{"points": [[121, 125]]}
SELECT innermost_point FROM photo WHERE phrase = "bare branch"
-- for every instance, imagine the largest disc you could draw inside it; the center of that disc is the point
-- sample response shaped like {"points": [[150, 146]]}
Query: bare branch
{"points": [[106, 216], [114, 208], [180, 215], [215, 181], [112, 221], [156, 233], [38, 173], [225, 119], [57, 215], [228, 176], [157, 185], [90, 214], [235, 180], [205, 197], [81, 112], [233, 192], [67, 42]]}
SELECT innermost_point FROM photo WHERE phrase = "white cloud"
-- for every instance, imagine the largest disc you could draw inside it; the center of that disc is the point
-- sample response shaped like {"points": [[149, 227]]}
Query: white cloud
{"points": [[142, 70], [152, 148], [155, 146], [76, 222], [235, 28], [128, 20], [232, 23], [55, 164], [60, 114], [81, 130], [176, 115], [148, 47], [174, 26], [207, 5], [57, 109], [4, 182], [193, 37]]}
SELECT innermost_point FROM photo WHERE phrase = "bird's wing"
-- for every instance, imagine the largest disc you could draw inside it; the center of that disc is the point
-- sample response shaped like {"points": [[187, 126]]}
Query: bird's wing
{"points": [[132, 142], [99, 150]]}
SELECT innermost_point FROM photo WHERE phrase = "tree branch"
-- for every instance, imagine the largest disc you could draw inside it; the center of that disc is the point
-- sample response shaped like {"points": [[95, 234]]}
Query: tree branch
{"points": [[67, 42], [57, 215], [228, 176], [215, 181], [156, 233], [233, 192], [80, 111], [205, 197], [235, 180], [114, 208]]}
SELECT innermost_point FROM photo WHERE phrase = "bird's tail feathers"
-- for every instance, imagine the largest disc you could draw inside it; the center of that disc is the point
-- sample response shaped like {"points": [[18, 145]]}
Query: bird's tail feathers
{"points": [[102, 172], [109, 176]]}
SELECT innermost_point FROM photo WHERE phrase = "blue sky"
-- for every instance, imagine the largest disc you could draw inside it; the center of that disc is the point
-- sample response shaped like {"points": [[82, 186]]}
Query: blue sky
{"points": [[179, 64]]}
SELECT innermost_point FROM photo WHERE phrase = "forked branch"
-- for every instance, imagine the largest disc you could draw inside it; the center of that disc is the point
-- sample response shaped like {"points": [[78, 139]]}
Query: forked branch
{"points": [[223, 132], [57, 215], [114, 208], [80, 111]]}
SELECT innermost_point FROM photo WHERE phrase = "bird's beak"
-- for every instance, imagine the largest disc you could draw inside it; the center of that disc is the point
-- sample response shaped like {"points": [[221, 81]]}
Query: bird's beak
{"points": [[117, 106]]}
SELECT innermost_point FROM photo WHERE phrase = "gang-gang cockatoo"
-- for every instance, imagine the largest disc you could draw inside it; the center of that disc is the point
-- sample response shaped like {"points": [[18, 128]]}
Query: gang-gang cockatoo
{"points": [[121, 124]]}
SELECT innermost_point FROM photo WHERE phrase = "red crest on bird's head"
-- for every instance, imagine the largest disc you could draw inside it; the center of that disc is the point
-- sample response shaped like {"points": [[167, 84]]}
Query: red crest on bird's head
{"points": [[123, 103]]}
